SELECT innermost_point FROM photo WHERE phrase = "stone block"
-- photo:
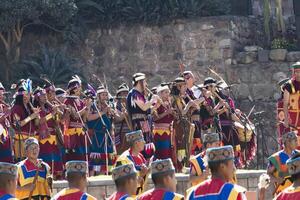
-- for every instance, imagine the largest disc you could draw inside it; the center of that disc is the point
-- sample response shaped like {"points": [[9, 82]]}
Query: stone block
{"points": [[279, 76], [252, 48], [225, 43], [242, 90], [263, 91], [278, 54], [206, 27], [252, 182], [246, 57], [293, 56], [263, 55], [243, 182]]}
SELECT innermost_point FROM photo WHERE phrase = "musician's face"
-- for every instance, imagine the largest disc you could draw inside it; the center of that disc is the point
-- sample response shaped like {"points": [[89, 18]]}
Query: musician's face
{"points": [[61, 99], [103, 96], [77, 91], [165, 94], [33, 151], [140, 145], [297, 74], [182, 88], [189, 79], [1, 94], [51, 95], [43, 98], [214, 144], [26, 98]]}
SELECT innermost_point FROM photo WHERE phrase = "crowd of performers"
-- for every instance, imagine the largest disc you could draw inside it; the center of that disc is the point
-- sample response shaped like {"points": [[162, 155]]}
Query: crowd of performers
{"points": [[55, 134]]}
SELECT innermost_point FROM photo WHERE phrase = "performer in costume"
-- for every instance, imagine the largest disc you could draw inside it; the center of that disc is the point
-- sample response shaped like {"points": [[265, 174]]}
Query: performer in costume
{"points": [[138, 109], [221, 165], [183, 128], [194, 93], [76, 175], [102, 148], [125, 178], [123, 124], [277, 168], [33, 174], [75, 138], [163, 118], [6, 152], [49, 150], [198, 166], [292, 192], [280, 113], [291, 102], [8, 179], [163, 177], [133, 155], [24, 119]]}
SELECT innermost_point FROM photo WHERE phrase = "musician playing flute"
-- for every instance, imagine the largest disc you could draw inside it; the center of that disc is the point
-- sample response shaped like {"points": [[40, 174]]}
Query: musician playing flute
{"points": [[6, 152], [49, 149], [24, 119], [138, 108], [123, 123], [102, 154]]}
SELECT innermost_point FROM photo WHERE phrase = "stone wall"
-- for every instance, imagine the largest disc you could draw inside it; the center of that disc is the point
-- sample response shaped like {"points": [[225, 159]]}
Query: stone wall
{"points": [[104, 185]]}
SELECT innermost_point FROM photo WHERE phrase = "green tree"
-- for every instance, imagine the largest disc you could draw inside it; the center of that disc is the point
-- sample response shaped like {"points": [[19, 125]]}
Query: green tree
{"points": [[17, 15]]}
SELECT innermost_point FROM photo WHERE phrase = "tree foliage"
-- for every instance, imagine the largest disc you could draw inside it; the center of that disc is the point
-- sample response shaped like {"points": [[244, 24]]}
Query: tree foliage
{"points": [[55, 64]]}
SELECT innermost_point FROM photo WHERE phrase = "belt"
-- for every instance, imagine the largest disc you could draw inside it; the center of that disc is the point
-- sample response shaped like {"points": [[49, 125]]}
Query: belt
{"points": [[139, 116]]}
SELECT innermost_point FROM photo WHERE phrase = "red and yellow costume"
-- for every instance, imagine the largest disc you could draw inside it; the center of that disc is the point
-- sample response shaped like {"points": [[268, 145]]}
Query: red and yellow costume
{"points": [[26, 175], [72, 194], [289, 193], [120, 196], [216, 189], [197, 163], [160, 194], [5, 139]]}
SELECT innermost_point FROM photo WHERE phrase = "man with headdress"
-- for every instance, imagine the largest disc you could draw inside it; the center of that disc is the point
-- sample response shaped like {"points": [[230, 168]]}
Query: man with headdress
{"points": [[291, 102], [6, 152], [76, 175], [163, 118], [133, 155], [24, 118], [139, 108], [221, 165], [33, 174], [102, 156], [163, 177], [123, 123], [292, 192], [75, 135], [49, 144], [198, 165], [125, 178], [277, 168], [183, 128], [8, 179], [280, 113], [195, 112]]}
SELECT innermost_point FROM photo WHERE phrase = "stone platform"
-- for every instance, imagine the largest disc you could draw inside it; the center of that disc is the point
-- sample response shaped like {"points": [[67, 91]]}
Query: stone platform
{"points": [[103, 185]]}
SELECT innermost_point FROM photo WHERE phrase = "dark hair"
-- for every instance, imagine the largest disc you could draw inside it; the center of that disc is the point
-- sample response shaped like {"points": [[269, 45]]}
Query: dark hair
{"points": [[122, 181], [158, 178], [295, 177], [73, 177], [214, 166], [19, 101], [4, 178]]}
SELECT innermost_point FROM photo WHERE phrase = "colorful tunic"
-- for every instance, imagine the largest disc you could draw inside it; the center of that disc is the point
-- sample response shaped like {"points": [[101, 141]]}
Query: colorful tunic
{"points": [[102, 145], [209, 123], [5, 196], [293, 87], [19, 113], [162, 131], [289, 193], [216, 189], [197, 163], [49, 147], [139, 118], [120, 196], [26, 174], [6, 153], [278, 161], [121, 128], [160, 194], [72, 194], [74, 133], [127, 157]]}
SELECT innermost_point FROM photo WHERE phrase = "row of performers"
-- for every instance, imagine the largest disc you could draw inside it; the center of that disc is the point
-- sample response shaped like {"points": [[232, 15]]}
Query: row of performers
{"points": [[173, 122], [33, 179]]}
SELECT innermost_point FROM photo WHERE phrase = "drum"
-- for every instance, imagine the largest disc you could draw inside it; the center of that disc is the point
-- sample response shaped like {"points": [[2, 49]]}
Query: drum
{"points": [[244, 132]]}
